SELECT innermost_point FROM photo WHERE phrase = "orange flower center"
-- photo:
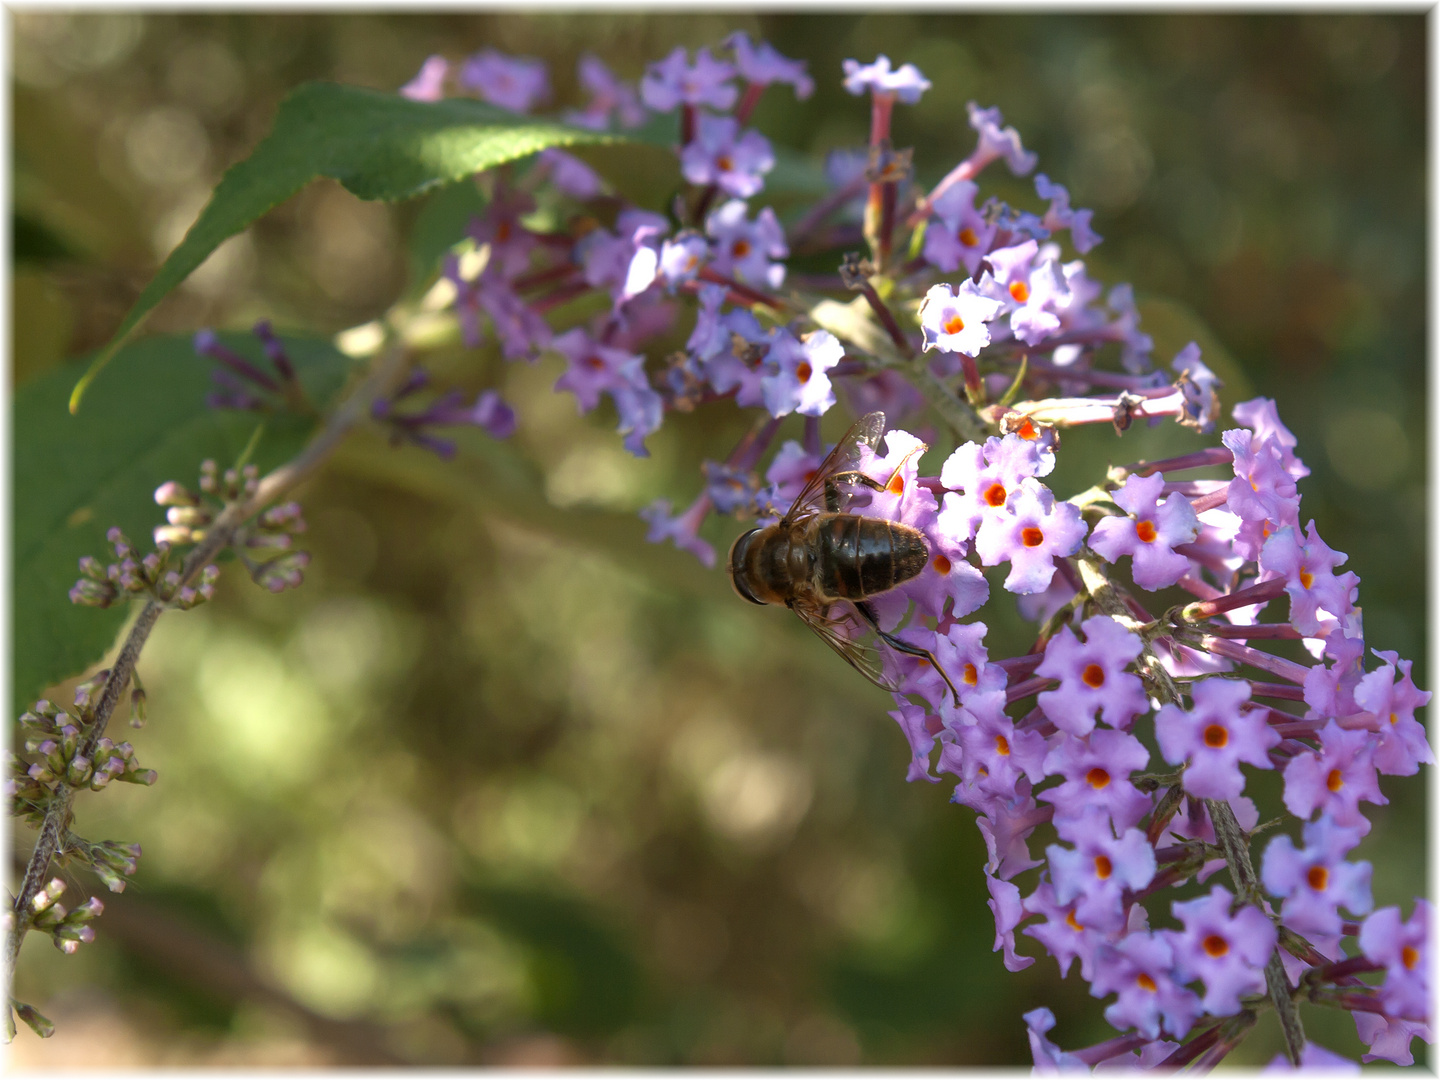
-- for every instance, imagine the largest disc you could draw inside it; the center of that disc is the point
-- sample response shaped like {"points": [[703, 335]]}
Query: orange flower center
{"points": [[740, 248], [954, 324], [1020, 291], [1093, 676], [941, 564], [1334, 781], [594, 363], [1098, 778], [1145, 982], [1073, 922], [995, 495], [1027, 430], [723, 163], [896, 485], [1306, 578], [1103, 867], [970, 676], [1030, 536], [1409, 956], [967, 237], [1145, 530], [1215, 946], [1318, 878], [1217, 737], [803, 371], [1002, 746]]}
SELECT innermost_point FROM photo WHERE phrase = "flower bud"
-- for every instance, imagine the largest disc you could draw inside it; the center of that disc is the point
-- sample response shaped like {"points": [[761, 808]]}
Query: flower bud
{"points": [[79, 771], [93, 593], [172, 493], [188, 515], [279, 541], [41, 774], [37, 1023], [174, 534], [45, 898]]}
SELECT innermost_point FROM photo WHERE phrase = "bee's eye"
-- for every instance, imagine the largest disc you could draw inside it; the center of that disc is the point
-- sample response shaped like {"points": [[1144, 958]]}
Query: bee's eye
{"points": [[738, 574]]}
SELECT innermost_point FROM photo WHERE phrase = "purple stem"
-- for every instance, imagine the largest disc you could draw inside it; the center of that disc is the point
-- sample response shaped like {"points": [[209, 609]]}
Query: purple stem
{"points": [[1255, 594], [1231, 650], [1215, 455]]}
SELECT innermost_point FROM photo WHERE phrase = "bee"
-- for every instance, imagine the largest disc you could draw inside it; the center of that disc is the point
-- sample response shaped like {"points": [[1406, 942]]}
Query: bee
{"points": [[825, 564]]}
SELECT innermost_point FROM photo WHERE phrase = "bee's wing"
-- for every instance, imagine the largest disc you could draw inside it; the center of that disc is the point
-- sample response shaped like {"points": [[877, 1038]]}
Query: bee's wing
{"points": [[860, 651], [866, 431]]}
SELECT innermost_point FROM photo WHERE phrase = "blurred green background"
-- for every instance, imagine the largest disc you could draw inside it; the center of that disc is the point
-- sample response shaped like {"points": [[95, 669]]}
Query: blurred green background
{"points": [[502, 783]]}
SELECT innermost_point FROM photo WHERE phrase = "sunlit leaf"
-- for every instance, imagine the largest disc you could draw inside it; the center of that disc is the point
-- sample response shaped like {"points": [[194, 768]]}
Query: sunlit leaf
{"points": [[378, 145]]}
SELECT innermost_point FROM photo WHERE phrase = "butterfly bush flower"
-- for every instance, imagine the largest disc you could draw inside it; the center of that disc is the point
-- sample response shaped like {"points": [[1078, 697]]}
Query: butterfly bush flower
{"points": [[957, 321], [1225, 948], [1037, 530], [1214, 738], [1402, 746], [904, 83], [608, 96], [797, 380], [1335, 779], [1150, 534], [514, 83], [1108, 764], [1061, 216], [429, 81], [746, 248], [1092, 675], [1316, 881], [1403, 950], [759, 64], [675, 81], [722, 155], [1308, 567]]}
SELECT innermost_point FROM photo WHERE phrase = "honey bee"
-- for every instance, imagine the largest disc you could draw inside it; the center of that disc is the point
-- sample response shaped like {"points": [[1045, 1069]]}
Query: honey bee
{"points": [[817, 559]]}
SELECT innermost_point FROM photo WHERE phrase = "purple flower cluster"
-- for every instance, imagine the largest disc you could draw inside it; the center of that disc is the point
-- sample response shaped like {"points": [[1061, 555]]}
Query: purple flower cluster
{"points": [[1070, 760], [972, 305]]}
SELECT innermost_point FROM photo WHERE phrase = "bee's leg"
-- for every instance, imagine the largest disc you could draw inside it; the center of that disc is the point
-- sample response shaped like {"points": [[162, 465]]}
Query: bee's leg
{"points": [[891, 479], [832, 493], [895, 643]]}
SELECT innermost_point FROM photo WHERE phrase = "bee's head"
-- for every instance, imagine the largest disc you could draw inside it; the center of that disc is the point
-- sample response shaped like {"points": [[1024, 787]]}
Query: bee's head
{"points": [[739, 572]]}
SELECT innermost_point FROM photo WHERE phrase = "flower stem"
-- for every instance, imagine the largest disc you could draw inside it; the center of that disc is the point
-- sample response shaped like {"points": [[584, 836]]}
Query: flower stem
{"points": [[388, 373], [1236, 845]]}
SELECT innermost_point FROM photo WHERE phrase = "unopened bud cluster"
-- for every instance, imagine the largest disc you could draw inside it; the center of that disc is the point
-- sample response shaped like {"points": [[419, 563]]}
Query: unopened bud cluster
{"points": [[132, 575], [189, 514], [54, 744], [110, 860], [68, 929]]}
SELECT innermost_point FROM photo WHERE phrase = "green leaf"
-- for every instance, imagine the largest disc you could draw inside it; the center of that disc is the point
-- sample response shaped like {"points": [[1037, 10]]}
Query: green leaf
{"points": [[378, 145], [74, 478], [439, 226]]}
